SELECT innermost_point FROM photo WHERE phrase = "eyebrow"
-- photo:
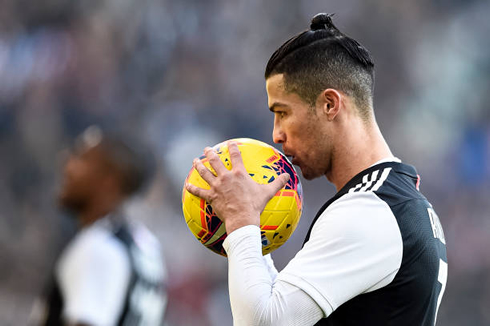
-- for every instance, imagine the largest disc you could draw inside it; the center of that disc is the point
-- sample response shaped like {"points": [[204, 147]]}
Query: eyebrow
{"points": [[275, 105]]}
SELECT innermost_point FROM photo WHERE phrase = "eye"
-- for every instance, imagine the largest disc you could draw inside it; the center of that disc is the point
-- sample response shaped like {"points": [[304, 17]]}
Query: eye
{"points": [[281, 114]]}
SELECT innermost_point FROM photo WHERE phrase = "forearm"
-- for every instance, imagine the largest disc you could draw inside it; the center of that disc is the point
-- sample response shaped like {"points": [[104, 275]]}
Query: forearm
{"points": [[255, 298]]}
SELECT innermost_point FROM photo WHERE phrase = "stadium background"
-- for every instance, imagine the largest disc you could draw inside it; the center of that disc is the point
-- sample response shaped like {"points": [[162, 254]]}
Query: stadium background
{"points": [[189, 73]]}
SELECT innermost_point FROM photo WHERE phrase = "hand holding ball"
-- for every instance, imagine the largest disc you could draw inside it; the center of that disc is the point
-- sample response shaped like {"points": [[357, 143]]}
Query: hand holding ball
{"points": [[264, 164]]}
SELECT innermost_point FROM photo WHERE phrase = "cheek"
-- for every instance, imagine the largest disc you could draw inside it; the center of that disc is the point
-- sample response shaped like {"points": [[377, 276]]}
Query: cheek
{"points": [[316, 148], [85, 178], [298, 132]]}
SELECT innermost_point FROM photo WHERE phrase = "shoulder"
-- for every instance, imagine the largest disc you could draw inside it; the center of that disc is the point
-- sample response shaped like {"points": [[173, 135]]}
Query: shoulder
{"points": [[396, 185], [95, 246], [392, 182], [144, 238], [361, 215], [355, 246], [94, 272], [103, 242]]}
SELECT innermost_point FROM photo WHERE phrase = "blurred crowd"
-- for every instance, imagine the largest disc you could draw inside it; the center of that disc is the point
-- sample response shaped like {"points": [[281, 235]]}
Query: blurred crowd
{"points": [[185, 74]]}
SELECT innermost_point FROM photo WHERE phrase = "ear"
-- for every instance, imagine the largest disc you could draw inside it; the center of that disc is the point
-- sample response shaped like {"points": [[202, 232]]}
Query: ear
{"points": [[330, 101], [110, 182]]}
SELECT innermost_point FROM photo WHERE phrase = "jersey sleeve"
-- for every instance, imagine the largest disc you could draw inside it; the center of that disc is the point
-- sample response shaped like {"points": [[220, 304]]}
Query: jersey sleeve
{"points": [[271, 268], [355, 247], [256, 298], [94, 286]]}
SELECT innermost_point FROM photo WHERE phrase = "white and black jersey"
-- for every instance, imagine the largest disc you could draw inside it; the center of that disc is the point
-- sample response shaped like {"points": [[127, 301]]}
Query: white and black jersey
{"points": [[396, 273], [375, 255], [111, 273]]}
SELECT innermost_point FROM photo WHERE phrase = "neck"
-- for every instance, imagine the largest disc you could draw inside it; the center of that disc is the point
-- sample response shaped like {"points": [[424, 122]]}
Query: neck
{"points": [[362, 145], [96, 212], [87, 218]]}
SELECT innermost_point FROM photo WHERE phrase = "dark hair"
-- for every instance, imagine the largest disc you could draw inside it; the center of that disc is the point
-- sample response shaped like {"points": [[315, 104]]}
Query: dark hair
{"points": [[323, 57], [133, 162]]}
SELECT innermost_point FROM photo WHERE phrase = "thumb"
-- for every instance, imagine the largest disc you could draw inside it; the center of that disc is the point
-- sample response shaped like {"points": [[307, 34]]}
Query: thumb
{"points": [[278, 183]]}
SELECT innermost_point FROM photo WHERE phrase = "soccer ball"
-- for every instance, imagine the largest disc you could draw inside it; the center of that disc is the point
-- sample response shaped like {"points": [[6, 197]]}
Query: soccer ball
{"points": [[281, 214]]}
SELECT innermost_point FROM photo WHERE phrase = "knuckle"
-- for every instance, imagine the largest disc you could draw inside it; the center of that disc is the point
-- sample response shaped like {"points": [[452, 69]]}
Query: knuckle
{"points": [[226, 176], [198, 165], [201, 169], [211, 197], [239, 173], [214, 158]]}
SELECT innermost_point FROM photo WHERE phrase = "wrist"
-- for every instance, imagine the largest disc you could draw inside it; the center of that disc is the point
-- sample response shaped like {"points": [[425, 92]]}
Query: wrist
{"points": [[237, 223], [238, 238]]}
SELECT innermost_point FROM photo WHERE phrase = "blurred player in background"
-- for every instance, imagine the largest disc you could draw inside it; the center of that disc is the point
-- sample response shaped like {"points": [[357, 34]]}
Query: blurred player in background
{"points": [[112, 272], [375, 253]]}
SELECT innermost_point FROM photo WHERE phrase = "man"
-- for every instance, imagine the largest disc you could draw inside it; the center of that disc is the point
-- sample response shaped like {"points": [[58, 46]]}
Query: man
{"points": [[111, 273], [375, 253]]}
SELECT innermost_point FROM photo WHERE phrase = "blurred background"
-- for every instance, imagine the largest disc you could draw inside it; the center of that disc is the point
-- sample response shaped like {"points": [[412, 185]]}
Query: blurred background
{"points": [[186, 74]]}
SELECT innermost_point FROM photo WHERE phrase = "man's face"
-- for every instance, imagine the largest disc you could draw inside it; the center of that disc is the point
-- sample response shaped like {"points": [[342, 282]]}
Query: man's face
{"points": [[82, 175], [300, 128]]}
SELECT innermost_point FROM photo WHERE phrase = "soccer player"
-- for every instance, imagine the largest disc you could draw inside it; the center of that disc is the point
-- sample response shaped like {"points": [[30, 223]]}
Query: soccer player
{"points": [[375, 253], [112, 272]]}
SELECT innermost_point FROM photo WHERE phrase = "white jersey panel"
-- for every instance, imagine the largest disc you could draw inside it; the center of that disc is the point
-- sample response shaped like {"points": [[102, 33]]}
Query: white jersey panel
{"points": [[355, 247], [94, 273], [254, 296]]}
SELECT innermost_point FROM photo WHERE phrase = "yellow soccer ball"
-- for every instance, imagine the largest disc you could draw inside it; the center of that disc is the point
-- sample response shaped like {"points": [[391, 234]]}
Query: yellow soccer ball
{"points": [[281, 214]]}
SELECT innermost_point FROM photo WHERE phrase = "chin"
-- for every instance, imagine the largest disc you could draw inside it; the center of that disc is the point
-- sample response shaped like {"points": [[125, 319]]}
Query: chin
{"points": [[309, 175], [71, 204]]}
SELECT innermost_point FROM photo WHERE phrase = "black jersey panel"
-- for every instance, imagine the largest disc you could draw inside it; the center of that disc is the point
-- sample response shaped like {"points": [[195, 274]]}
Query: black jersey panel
{"points": [[412, 297]]}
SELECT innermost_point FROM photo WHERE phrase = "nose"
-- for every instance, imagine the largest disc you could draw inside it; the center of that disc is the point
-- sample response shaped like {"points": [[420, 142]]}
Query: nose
{"points": [[68, 167], [278, 136]]}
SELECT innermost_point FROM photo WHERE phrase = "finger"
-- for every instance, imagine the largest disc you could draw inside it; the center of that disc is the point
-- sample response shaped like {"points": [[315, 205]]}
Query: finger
{"points": [[196, 191], [235, 155], [215, 161], [203, 171], [278, 183]]}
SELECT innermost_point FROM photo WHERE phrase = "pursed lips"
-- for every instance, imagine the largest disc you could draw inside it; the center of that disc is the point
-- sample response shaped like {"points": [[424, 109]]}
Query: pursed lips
{"points": [[291, 157]]}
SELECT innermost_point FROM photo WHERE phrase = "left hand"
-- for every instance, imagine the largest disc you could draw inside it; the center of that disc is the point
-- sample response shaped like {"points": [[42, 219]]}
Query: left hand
{"points": [[235, 197]]}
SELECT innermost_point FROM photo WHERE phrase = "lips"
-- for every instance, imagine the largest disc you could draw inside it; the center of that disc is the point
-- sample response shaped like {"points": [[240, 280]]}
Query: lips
{"points": [[288, 155], [293, 159]]}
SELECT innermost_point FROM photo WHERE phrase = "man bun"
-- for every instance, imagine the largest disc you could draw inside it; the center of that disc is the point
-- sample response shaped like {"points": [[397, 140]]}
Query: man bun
{"points": [[322, 21]]}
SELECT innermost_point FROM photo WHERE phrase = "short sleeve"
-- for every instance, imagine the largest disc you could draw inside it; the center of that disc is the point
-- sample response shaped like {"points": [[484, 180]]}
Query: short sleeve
{"points": [[94, 281], [355, 247]]}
